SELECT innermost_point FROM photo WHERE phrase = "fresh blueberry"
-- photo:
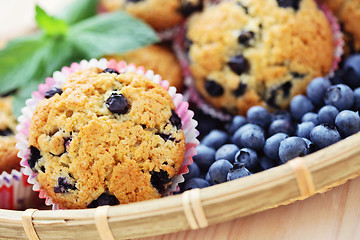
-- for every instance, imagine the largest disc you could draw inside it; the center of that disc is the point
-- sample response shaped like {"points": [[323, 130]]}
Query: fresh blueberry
{"points": [[310, 117], [52, 91], [175, 120], [104, 199], [304, 129], [159, 179], [238, 64], [237, 171], [300, 105], [215, 139], [213, 88], [291, 148], [322, 136], [64, 186], [6, 132], [259, 115], [280, 126], [236, 122], [253, 138], [219, 170], [357, 99], [271, 147], [195, 183], [289, 3], [316, 89], [245, 37], [205, 157], [341, 96], [248, 157], [227, 152], [236, 138], [266, 163], [34, 157], [310, 146], [327, 114], [117, 103], [208, 179], [347, 123], [110, 70], [352, 71], [281, 114], [194, 171]]}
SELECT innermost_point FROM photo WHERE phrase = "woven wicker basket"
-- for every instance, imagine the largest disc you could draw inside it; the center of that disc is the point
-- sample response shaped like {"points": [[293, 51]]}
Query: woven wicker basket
{"points": [[298, 179]]}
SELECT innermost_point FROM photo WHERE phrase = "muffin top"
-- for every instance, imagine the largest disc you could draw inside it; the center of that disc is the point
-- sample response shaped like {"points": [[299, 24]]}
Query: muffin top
{"points": [[244, 53], [105, 138]]}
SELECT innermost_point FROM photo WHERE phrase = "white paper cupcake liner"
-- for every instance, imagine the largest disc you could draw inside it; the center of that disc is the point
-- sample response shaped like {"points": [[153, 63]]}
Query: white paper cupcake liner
{"points": [[192, 95], [181, 108]]}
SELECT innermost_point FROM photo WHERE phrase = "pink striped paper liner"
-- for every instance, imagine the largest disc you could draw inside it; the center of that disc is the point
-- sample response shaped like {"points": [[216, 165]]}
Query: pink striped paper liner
{"points": [[192, 95], [181, 108], [15, 192]]}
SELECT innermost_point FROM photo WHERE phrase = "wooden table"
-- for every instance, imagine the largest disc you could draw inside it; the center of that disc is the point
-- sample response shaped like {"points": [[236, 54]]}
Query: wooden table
{"points": [[334, 215]]}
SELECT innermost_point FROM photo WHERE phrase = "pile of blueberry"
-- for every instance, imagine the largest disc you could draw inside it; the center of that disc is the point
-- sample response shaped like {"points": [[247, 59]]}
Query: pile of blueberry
{"points": [[263, 140]]}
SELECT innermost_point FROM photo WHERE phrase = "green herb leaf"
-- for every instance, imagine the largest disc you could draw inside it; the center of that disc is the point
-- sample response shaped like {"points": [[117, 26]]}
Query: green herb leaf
{"points": [[79, 10], [19, 61], [52, 26], [22, 95], [111, 33]]}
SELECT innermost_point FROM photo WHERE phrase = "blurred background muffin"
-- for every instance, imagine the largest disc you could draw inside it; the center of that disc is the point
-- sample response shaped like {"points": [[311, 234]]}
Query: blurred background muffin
{"points": [[158, 58], [160, 14], [246, 53], [348, 13]]}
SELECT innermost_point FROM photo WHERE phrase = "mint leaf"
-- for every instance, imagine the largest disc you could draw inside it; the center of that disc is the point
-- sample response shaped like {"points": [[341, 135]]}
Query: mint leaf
{"points": [[111, 33], [79, 10], [22, 95], [19, 61], [55, 54], [52, 26]]}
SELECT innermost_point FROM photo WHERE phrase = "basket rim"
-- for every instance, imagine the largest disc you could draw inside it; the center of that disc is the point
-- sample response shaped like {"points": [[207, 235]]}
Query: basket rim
{"points": [[325, 162]]}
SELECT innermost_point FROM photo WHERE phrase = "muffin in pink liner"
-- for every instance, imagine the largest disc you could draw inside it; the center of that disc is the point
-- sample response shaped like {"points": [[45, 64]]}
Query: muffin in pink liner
{"points": [[15, 192], [172, 136], [225, 86]]}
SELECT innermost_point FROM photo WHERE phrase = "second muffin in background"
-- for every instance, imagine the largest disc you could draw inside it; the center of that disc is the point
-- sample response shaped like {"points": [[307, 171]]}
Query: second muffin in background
{"points": [[160, 59], [246, 53]]}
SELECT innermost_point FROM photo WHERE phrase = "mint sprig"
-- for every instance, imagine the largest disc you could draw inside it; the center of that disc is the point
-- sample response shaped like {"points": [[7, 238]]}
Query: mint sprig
{"points": [[79, 34]]}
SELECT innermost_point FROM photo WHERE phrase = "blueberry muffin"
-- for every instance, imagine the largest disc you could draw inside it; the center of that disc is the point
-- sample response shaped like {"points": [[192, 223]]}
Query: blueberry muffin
{"points": [[8, 152], [348, 12], [160, 59], [244, 53], [160, 14], [105, 138]]}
